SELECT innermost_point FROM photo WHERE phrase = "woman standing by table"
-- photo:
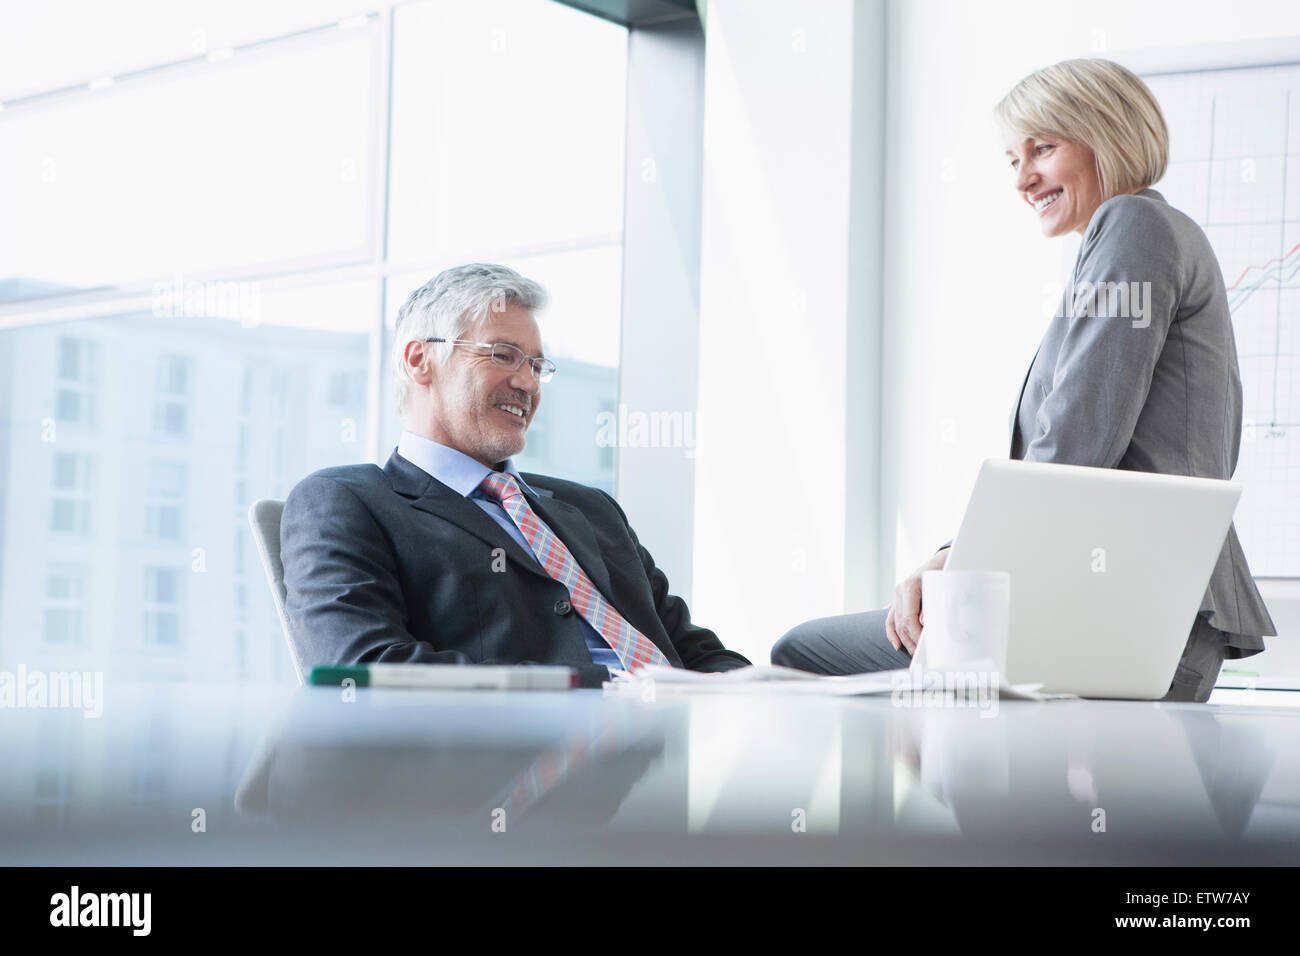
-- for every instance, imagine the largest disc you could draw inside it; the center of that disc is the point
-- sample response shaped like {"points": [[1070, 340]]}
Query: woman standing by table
{"points": [[1153, 388]]}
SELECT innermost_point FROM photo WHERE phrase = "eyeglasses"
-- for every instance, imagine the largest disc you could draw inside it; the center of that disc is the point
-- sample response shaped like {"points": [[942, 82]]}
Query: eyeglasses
{"points": [[509, 356]]}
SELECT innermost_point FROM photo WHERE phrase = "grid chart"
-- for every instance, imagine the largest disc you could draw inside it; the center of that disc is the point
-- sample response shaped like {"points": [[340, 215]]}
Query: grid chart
{"points": [[1235, 168]]}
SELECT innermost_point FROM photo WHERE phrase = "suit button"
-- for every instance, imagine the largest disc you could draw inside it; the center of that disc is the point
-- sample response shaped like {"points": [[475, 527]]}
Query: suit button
{"points": [[563, 607]]}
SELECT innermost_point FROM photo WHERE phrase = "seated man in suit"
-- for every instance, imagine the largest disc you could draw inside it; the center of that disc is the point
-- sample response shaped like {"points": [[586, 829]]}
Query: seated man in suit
{"points": [[448, 554]]}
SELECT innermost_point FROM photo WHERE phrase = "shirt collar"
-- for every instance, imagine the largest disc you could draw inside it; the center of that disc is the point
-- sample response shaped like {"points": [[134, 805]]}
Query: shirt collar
{"points": [[458, 471]]}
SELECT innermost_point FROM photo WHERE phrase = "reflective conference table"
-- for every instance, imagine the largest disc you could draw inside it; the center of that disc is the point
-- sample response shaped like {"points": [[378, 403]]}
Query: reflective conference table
{"points": [[231, 774]]}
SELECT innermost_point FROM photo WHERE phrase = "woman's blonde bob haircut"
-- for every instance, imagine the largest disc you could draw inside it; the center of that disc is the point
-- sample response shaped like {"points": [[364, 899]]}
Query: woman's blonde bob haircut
{"points": [[1102, 105]]}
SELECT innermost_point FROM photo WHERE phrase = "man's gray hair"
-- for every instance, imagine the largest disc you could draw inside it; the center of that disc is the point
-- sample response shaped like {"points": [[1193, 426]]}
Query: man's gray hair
{"points": [[449, 305]]}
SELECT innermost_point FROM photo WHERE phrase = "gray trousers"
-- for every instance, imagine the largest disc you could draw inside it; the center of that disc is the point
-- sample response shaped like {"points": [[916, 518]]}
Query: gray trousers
{"points": [[856, 643]]}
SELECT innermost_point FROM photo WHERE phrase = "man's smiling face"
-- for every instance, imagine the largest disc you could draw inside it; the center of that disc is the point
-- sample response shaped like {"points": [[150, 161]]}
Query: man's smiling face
{"points": [[479, 408]]}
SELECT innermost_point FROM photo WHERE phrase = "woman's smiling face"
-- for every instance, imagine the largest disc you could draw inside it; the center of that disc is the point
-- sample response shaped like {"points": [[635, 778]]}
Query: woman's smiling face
{"points": [[1058, 179]]}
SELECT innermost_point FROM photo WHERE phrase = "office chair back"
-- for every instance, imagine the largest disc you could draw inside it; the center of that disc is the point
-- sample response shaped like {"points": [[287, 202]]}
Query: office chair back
{"points": [[264, 516]]}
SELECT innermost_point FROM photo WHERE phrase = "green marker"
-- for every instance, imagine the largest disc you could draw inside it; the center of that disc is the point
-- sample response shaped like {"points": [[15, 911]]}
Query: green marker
{"points": [[449, 676]]}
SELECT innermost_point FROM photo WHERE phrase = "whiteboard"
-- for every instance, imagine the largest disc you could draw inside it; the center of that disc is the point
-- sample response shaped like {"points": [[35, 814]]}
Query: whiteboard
{"points": [[1235, 169]]}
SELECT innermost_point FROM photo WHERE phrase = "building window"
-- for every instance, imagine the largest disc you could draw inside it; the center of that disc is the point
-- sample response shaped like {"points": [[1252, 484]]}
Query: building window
{"points": [[74, 395], [246, 393], [70, 498], [280, 392], [65, 606], [166, 498], [243, 439], [279, 414], [243, 443], [607, 447], [172, 396], [338, 389], [162, 607]]}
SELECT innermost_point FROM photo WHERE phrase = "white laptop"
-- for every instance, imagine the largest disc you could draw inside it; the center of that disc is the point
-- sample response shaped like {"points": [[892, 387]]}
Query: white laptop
{"points": [[1108, 569]]}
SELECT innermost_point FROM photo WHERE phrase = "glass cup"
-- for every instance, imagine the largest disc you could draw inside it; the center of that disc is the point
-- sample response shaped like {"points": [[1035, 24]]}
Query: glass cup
{"points": [[967, 620]]}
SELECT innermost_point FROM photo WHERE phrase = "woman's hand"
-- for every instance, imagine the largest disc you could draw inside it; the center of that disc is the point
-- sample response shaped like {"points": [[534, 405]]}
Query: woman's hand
{"points": [[905, 617]]}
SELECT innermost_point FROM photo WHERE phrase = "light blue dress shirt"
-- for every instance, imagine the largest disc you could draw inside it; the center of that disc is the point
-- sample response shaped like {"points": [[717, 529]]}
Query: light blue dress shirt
{"points": [[463, 475]]}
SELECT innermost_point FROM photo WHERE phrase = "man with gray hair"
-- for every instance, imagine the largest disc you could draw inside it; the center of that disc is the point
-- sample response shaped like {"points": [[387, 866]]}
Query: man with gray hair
{"points": [[448, 554]]}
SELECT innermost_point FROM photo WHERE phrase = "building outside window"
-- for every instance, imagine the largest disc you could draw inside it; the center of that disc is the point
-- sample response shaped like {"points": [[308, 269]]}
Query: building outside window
{"points": [[220, 316], [162, 607], [65, 606], [164, 506], [70, 497], [74, 397], [172, 396]]}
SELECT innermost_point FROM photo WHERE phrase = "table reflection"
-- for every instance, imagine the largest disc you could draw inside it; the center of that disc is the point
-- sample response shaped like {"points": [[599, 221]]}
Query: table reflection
{"points": [[302, 775], [387, 756]]}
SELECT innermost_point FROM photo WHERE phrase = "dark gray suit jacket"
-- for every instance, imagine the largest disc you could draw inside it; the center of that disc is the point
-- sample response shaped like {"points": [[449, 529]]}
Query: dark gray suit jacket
{"points": [[1146, 382], [392, 565]]}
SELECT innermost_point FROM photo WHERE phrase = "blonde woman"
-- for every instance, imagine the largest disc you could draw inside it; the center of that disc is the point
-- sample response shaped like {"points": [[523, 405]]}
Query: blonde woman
{"points": [[1146, 381]]}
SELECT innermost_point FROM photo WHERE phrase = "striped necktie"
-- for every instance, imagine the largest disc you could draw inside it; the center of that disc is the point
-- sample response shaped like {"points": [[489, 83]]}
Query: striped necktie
{"points": [[633, 648]]}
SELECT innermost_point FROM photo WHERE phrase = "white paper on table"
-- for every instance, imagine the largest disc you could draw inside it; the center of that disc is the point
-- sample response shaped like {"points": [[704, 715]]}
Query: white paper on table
{"points": [[740, 675], [786, 680]]}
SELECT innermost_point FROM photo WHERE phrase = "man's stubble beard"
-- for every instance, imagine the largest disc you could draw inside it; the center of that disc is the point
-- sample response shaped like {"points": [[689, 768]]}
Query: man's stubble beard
{"points": [[499, 447]]}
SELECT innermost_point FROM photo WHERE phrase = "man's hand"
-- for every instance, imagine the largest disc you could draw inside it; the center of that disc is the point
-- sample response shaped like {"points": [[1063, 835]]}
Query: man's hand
{"points": [[905, 618]]}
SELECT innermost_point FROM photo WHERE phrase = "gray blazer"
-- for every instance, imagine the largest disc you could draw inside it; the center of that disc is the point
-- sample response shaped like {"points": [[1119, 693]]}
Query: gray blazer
{"points": [[1138, 370]]}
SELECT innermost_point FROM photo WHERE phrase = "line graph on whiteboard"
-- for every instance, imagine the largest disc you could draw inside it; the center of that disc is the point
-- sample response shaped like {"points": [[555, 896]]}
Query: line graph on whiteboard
{"points": [[1235, 168]]}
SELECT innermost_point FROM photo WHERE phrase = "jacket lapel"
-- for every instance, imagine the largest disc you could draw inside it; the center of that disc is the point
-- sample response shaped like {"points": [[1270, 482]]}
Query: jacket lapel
{"points": [[1015, 414], [572, 527], [433, 497]]}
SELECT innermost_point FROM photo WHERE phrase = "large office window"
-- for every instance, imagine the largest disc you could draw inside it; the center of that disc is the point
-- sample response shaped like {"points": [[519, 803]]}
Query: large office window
{"points": [[209, 228], [260, 159], [508, 141]]}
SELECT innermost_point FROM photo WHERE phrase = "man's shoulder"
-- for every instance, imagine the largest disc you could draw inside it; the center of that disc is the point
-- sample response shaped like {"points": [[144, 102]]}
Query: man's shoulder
{"points": [[357, 478]]}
